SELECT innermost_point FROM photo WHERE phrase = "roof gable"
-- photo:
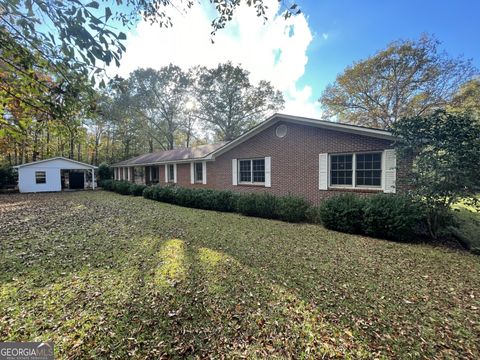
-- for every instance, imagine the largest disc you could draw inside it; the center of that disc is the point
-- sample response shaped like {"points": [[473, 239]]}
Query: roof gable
{"points": [[353, 129], [58, 161]]}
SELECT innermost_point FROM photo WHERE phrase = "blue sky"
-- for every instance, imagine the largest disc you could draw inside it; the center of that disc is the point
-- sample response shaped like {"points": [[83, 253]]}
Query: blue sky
{"points": [[354, 30], [302, 55]]}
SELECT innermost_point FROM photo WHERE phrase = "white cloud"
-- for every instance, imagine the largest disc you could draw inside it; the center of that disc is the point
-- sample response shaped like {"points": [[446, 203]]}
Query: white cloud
{"points": [[274, 51]]}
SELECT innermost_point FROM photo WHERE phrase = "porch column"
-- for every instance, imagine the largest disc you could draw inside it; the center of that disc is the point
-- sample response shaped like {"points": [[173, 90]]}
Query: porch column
{"points": [[93, 179]]}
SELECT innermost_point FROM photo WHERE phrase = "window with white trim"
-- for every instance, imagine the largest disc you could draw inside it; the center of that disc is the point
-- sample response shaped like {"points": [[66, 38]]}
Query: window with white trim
{"points": [[251, 171], [368, 169], [40, 177], [198, 172], [341, 169], [171, 173], [356, 170]]}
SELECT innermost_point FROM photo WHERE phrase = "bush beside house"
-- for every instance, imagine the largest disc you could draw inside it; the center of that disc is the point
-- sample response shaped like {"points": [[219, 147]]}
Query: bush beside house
{"points": [[387, 216]]}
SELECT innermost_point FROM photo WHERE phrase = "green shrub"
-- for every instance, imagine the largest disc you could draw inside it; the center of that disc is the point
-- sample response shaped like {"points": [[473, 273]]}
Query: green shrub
{"points": [[148, 192], [312, 215], [343, 213], [136, 189], [260, 205], [106, 184], [165, 194], [121, 187], [104, 172], [291, 208], [185, 197], [225, 201], [390, 216]]}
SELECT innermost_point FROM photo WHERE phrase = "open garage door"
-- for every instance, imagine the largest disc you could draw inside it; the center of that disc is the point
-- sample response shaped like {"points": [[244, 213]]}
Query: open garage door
{"points": [[76, 180]]}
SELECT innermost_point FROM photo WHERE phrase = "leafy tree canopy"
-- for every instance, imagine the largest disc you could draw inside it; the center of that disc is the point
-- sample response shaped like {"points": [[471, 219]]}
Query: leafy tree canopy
{"points": [[446, 152], [228, 104], [467, 98], [407, 79]]}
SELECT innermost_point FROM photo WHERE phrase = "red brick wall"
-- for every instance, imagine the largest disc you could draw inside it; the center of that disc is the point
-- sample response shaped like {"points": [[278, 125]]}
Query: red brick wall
{"points": [[294, 167]]}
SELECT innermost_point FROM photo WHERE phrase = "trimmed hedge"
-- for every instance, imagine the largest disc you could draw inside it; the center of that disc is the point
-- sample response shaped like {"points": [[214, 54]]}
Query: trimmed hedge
{"points": [[390, 217], [292, 209], [259, 205], [343, 213], [384, 215], [121, 187], [136, 189], [106, 184]]}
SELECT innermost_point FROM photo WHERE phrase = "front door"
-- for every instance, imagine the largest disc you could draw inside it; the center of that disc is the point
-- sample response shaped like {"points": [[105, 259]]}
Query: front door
{"points": [[76, 180]]}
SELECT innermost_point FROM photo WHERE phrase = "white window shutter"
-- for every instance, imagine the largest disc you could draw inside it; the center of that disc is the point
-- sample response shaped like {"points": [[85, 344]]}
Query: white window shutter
{"points": [[192, 173], [234, 172], [268, 172], [323, 171], [166, 173], [175, 173], [390, 171], [204, 172]]}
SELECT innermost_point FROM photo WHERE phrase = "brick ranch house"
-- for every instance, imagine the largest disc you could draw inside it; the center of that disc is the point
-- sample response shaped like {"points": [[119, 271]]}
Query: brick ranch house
{"points": [[283, 155]]}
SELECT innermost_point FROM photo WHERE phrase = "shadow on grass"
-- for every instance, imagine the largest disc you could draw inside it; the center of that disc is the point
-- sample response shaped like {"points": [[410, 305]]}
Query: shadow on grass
{"points": [[176, 282], [189, 301]]}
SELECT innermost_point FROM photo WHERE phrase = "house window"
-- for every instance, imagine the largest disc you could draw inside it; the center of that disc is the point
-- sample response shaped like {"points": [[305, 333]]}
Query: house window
{"points": [[341, 169], [252, 171], [40, 177], [368, 169], [356, 170], [198, 172], [171, 173]]}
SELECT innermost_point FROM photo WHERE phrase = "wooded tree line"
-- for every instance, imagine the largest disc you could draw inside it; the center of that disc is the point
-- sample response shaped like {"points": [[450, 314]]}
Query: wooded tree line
{"points": [[53, 95], [54, 101], [151, 110]]}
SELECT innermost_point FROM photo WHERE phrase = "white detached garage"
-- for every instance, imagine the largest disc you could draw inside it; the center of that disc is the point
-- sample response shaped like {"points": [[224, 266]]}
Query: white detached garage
{"points": [[55, 174]]}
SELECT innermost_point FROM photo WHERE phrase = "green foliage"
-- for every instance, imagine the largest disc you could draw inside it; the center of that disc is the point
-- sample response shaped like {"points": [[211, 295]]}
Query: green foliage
{"points": [[260, 205], [312, 215], [107, 184], [445, 168], [292, 208], [406, 79], [343, 213], [7, 176], [467, 98], [121, 187], [218, 86], [393, 217], [104, 172], [148, 192], [137, 189]]}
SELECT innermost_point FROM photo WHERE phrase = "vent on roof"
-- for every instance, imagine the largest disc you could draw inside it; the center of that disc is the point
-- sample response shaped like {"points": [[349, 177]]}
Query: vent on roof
{"points": [[281, 131]]}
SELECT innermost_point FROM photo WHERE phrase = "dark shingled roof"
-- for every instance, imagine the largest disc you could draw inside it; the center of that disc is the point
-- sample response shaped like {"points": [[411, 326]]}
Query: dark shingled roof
{"points": [[195, 152]]}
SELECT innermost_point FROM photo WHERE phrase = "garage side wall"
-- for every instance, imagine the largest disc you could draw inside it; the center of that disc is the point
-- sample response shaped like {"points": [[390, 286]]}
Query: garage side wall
{"points": [[27, 183]]}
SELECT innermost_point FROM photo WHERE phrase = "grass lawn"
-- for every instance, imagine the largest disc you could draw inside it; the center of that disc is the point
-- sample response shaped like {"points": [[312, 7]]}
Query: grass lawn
{"points": [[105, 275], [468, 219]]}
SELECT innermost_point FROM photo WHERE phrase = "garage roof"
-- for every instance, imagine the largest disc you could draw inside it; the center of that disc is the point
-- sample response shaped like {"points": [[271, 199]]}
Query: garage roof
{"points": [[74, 162]]}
